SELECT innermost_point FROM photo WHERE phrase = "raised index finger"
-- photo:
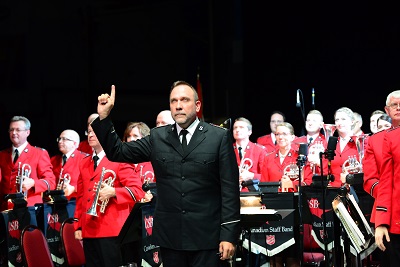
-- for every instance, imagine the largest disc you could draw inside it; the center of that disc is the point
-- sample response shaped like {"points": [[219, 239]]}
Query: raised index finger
{"points": [[112, 91]]}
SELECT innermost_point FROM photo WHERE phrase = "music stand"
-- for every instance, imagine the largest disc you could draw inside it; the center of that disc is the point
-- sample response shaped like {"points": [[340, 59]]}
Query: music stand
{"points": [[252, 214], [131, 230]]}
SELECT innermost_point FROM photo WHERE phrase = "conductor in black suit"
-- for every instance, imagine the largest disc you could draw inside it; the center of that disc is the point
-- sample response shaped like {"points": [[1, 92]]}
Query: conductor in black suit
{"points": [[197, 215]]}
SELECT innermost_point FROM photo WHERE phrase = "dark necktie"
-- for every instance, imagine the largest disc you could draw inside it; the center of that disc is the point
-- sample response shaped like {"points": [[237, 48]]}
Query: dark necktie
{"points": [[184, 142], [240, 152], [64, 159], [310, 140], [16, 155], [95, 159]]}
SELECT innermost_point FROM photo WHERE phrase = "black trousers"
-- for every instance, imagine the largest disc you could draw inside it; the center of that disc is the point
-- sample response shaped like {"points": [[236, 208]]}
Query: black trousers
{"points": [[105, 252]]}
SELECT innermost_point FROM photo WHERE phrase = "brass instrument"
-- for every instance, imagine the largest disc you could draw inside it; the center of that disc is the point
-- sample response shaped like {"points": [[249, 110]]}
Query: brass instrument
{"points": [[110, 182], [314, 154], [63, 180], [292, 171], [245, 164], [360, 143], [23, 172], [329, 130], [352, 165]]}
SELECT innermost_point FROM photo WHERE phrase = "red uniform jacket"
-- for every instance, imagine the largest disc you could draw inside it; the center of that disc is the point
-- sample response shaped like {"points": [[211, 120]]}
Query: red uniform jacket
{"points": [[71, 167], [314, 151], [388, 201], [340, 158], [272, 169], [85, 147], [128, 191], [256, 154], [372, 163], [266, 141], [41, 171]]}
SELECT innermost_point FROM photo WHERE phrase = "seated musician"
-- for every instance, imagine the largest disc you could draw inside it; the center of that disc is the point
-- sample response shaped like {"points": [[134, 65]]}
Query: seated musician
{"points": [[249, 156], [273, 170]]}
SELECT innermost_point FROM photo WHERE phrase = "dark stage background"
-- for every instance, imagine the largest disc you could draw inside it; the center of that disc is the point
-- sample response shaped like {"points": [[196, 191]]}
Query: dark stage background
{"points": [[56, 57]]}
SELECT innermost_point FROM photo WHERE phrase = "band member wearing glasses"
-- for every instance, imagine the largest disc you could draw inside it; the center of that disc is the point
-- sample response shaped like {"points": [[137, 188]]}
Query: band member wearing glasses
{"points": [[84, 144], [269, 140], [102, 209], [197, 215], [372, 162], [23, 157], [66, 166]]}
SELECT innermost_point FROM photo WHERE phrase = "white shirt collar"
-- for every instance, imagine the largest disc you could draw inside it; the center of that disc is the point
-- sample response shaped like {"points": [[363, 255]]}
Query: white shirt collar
{"points": [[192, 127], [20, 148]]}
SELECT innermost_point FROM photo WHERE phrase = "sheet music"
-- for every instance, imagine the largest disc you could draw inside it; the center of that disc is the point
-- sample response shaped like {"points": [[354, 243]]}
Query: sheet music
{"points": [[257, 210]]}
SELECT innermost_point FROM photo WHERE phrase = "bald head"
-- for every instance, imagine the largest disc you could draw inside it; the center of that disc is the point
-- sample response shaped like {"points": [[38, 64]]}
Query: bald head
{"points": [[164, 118], [68, 141]]}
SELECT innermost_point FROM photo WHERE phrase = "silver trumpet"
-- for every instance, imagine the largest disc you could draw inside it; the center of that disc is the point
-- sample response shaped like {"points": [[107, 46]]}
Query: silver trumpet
{"points": [[329, 130], [360, 143], [103, 204], [23, 172], [63, 180]]}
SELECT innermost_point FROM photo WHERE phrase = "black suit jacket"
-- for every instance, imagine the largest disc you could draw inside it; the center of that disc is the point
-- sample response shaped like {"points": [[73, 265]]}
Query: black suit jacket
{"points": [[198, 201]]}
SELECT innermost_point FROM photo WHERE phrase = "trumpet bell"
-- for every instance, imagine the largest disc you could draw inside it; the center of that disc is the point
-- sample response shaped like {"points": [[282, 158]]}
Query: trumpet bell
{"points": [[292, 171], [329, 130]]}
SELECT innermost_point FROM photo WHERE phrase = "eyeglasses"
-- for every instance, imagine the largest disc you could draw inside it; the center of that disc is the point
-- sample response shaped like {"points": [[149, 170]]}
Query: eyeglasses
{"points": [[282, 134], [276, 121], [16, 130], [63, 139], [394, 105]]}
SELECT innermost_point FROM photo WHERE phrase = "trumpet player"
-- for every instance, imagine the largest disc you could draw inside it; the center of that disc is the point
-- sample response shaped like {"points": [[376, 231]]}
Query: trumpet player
{"points": [[102, 208], [372, 168], [249, 156], [22, 153], [66, 166], [346, 148]]}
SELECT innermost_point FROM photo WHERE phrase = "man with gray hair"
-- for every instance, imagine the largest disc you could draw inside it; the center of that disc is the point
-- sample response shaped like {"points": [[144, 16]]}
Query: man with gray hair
{"points": [[23, 158]]}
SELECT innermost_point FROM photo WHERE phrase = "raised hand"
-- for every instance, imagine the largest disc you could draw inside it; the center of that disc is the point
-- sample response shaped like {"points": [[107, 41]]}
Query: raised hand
{"points": [[106, 103]]}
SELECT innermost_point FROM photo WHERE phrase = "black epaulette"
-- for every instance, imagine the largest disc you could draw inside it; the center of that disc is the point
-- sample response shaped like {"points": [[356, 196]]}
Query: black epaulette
{"points": [[219, 126], [392, 129]]}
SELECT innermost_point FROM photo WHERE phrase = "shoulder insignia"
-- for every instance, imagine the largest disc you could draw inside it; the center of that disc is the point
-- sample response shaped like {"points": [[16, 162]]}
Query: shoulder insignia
{"points": [[218, 126], [259, 145], [40, 148], [392, 129]]}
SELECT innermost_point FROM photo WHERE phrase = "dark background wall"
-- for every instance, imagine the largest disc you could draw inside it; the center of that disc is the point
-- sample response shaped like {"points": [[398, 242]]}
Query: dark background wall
{"points": [[56, 57]]}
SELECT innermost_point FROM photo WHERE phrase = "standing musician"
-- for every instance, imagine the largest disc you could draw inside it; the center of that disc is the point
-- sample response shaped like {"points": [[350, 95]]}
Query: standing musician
{"points": [[84, 144], [373, 161], [66, 166], [273, 170], [316, 143], [102, 208], [346, 150], [249, 156], [197, 216], [23, 158], [269, 141]]}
